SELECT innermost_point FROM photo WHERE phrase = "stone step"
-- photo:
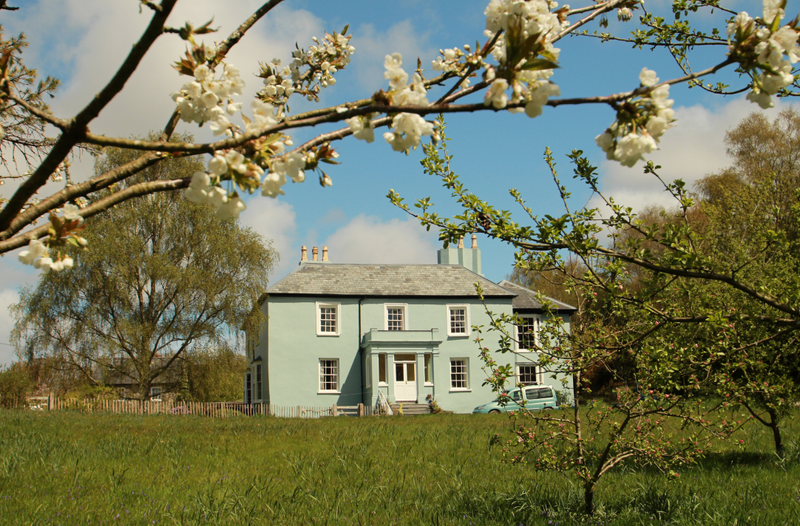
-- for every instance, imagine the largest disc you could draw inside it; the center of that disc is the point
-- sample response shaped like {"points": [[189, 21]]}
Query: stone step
{"points": [[410, 408]]}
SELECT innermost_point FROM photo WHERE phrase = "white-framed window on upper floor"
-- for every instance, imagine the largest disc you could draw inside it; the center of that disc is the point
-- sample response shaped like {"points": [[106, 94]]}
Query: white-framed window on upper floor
{"points": [[458, 320], [328, 375], [459, 374], [396, 316], [527, 374], [528, 333], [328, 319]]}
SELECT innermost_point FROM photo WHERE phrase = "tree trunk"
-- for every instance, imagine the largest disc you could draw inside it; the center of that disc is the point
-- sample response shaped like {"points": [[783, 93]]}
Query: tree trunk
{"points": [[774, 424], [588, 499]]}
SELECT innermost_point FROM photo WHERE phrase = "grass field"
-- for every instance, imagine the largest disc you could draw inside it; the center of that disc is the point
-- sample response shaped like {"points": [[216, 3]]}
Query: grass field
{"points": [[71, 468]]}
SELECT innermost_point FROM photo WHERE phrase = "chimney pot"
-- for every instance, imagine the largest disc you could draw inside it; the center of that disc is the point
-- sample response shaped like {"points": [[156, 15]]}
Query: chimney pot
{"points": [[314, 253], [324, 253], [461, 242], [474, 241], [304, 254]]}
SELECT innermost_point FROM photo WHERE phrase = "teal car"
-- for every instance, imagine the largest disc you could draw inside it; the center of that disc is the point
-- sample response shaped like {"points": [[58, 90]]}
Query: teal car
{"points": [[532, 397]]}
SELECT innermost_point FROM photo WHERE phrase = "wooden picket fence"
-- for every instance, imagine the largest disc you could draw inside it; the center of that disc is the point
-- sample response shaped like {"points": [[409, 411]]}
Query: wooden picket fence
{"points": [[170, 407]]}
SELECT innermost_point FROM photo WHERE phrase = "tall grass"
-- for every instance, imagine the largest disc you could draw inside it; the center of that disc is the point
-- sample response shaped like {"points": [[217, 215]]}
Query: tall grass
{"points": [[63, 468]]}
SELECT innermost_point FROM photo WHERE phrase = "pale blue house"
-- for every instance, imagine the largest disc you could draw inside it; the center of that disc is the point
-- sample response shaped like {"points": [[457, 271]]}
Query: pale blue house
{"points": [[344, 333]]}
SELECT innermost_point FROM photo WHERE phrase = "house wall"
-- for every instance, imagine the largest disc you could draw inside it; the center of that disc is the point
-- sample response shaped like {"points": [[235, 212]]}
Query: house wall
{"points": [[291, 369], [295, 351]]}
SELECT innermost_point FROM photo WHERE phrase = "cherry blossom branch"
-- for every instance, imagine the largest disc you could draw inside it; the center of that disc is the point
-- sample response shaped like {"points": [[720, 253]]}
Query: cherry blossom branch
{"points": [[76, 129], [100, 206], [239, 32], [80, 190], [598, 10]]}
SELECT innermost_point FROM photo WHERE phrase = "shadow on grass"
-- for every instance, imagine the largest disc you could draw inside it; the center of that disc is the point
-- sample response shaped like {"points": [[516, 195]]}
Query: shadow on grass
{"points": [[731, 460]]}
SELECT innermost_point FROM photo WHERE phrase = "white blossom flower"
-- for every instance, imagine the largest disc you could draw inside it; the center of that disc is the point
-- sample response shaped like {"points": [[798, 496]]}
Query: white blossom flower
{"points": [[199, 188], [71, 213], [648, 77], [772, 8], [632, 147], [656, 126], [231, 209], [538, 98], [361, 128], [496, 94], [217, 196], [408, 128], [36, 249], [772, 84], [45, 264], [761, 98], [218, 165], [271, 187], [67, 263], [606, 142]]}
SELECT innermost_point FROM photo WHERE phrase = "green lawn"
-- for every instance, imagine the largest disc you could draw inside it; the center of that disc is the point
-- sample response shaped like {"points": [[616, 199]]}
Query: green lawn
{"points": [[72, 468]]}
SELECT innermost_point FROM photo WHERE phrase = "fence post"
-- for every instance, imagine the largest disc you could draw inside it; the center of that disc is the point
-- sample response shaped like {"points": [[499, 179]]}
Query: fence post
{"points": [[360, 409], [334, 410]]}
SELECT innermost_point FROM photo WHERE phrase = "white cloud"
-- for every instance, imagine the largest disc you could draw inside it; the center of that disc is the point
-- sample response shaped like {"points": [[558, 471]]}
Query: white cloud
{"points": [[91, 38], [275, 220], [691, 150], [373, 45], [371, 240]]}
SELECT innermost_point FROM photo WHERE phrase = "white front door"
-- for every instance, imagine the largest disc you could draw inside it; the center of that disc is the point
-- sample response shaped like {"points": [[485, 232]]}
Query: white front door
{"points": [[405, 378]]}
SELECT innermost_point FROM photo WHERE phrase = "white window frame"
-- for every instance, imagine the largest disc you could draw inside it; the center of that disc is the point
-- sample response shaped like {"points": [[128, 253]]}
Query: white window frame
{"points": [[383, 361], [537, 374], [156, 392], [387, 306], [318, 321], [427, 368], [450, 332], [320, 373], [537, 327], [465, 365], [259, 378]]}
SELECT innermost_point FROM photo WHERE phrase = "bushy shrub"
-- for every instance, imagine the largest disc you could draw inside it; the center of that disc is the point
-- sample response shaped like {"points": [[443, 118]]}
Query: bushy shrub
{"points": [[15, 384]]}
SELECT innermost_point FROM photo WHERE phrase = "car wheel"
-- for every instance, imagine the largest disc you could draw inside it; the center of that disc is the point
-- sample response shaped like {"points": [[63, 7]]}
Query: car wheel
{"points": [[494, 411], [548, 408]]}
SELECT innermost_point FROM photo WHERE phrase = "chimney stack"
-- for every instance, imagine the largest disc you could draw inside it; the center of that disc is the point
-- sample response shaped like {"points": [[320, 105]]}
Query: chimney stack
{"points": [[474, 241], [324, 253], [461, 242], [314, 253], [303, 254]]}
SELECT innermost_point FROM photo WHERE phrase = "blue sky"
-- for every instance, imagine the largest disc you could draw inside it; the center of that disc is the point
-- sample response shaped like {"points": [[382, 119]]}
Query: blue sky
{"points": [[83, 41]]}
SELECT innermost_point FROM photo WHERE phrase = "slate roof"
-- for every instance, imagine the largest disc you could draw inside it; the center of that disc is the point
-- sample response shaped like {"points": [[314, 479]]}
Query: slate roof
{"points": [[333, 279], [526, 299]]}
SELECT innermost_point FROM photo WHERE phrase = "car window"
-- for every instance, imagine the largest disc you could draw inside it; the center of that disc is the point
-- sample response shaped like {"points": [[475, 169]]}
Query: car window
{"points": [[516, 395], [533, 394]]}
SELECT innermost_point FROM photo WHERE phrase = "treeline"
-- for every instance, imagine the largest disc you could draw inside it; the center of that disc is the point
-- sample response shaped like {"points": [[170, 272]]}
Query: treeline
{"points": [[205, 375]]}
